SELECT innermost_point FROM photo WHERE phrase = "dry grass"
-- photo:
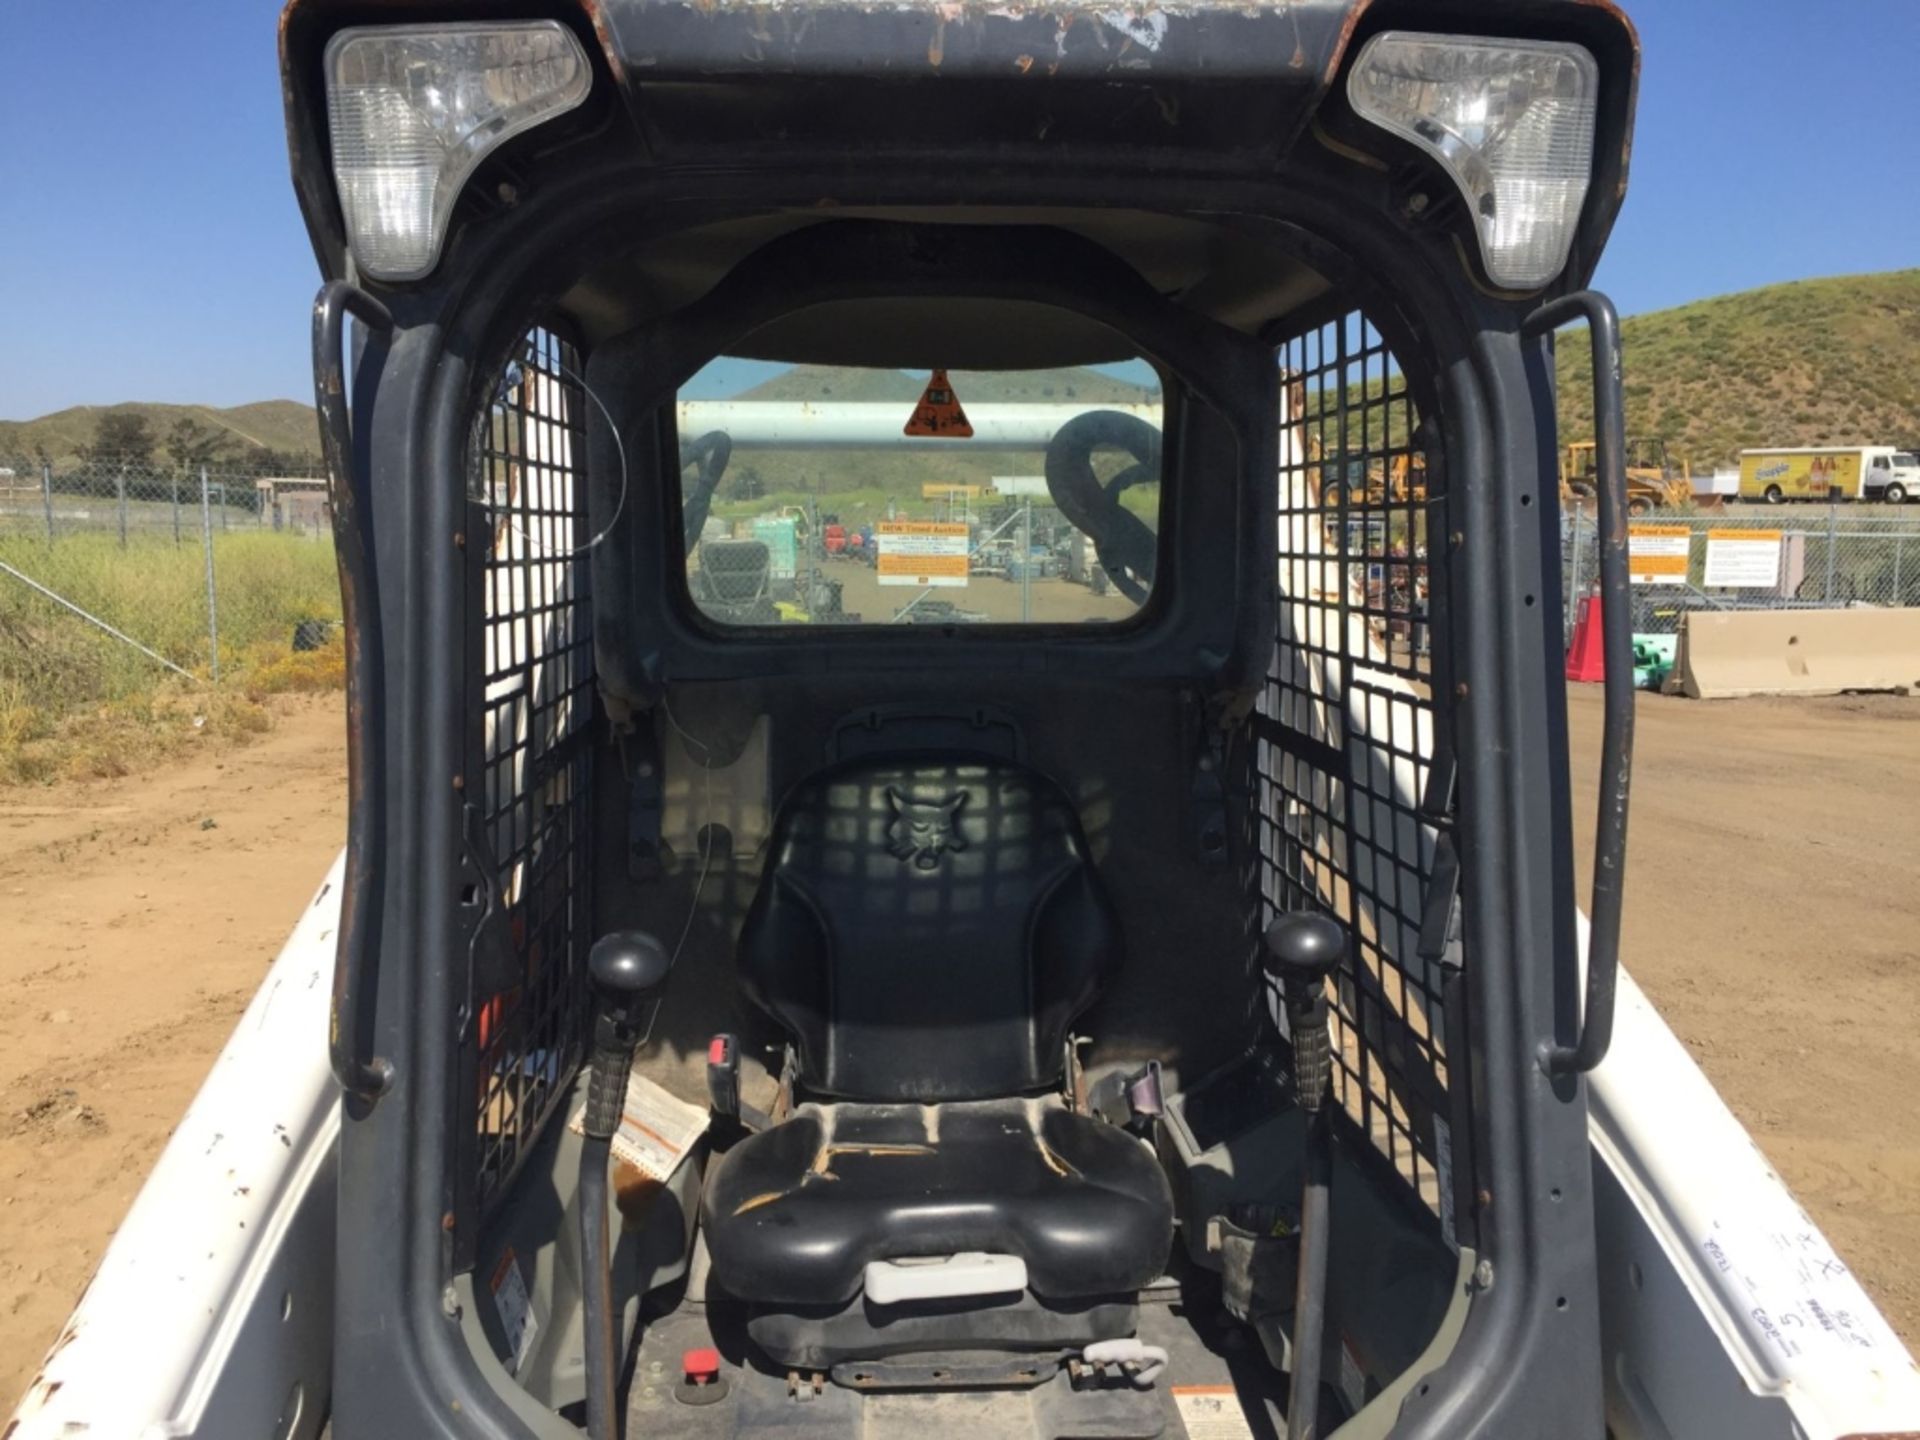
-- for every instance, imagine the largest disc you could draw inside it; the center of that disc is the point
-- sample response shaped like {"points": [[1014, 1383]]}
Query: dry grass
{"points": [[1816, 362], [75, 702]]}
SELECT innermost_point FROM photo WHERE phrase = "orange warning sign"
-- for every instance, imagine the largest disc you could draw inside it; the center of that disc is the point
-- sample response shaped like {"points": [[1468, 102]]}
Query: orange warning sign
{"points": [[939, 412], [921, 552]]}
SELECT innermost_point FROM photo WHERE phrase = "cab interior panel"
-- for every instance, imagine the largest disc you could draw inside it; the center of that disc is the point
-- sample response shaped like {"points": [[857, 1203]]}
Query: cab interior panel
{"points": [[977, 828], [964, 919]]}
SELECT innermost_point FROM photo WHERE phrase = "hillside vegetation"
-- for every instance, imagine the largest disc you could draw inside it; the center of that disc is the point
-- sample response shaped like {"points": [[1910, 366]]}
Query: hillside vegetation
{"points": [[1815, 362], [278, 425]]}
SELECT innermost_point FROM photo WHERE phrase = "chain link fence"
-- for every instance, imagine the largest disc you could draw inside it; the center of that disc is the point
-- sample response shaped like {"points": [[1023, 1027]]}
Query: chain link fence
{"points": [[126, 585], [1785, 558], [135, 499]]}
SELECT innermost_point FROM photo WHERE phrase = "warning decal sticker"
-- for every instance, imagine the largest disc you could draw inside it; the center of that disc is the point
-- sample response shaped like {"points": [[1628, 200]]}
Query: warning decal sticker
{"points": [[656, 1130], [515, 1307], [939, 412]]}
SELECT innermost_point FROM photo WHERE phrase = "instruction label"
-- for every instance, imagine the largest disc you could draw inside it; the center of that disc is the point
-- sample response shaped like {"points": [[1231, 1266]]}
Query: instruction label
{"points": [[515, 1308], [1743, 560], [1443, 1180], [656, 1130], [1658, 554], [1211, 1412], [921, 552]]}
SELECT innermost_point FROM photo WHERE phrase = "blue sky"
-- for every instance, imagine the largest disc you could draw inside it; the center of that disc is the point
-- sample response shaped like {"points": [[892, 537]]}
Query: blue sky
{"points": [[150, 248]]}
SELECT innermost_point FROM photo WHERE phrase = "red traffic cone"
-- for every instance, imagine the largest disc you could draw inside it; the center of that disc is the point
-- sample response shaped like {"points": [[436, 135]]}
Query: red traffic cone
{"points": [[1584, 661]]}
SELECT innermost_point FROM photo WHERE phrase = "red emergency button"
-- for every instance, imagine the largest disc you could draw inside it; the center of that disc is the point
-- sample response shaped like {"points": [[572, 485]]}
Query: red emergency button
{"points": [[701, 1367]]}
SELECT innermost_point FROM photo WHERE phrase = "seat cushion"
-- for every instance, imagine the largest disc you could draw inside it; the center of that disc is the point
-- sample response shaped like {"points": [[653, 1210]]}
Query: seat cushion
{"points": [[927, 930], [794, 1214]]}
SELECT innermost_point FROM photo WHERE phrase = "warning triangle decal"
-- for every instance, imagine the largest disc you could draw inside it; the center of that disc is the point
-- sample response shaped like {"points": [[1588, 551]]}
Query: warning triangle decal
{"points": [[939, 412]]}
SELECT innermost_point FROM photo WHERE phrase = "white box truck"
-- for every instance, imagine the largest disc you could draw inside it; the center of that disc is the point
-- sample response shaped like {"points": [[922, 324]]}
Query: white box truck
{"points": [[1829, 472]]}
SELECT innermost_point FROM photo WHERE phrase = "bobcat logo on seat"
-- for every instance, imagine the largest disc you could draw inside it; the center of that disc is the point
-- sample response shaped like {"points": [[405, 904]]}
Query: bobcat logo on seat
{"points": [[922, 830]]}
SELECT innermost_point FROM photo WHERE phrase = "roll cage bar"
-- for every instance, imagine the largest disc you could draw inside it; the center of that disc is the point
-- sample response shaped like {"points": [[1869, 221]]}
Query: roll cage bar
{"points": [[1483, 383]]}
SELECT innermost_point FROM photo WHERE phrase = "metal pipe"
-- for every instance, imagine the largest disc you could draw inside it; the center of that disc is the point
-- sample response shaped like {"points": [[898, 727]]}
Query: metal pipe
{"points": [[1833, 521], [1573, 578], [1617, 698], [1026, 562], [596, 1277], [1310, 1283], [46, 494], [858, 424], [34, 584], [364, 1078]]}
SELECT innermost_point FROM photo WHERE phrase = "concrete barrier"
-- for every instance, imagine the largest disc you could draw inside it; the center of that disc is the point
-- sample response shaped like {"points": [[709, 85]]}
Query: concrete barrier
{"points": [[1723, 654]]}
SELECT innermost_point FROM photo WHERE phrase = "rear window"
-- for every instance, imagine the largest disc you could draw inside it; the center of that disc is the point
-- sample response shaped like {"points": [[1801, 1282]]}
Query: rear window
{"points": [[840, 495]]}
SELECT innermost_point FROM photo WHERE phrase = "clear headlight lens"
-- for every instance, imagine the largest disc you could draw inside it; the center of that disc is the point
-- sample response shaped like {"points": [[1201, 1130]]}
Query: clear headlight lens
{"points": [[1511, 120], [414, 108]]}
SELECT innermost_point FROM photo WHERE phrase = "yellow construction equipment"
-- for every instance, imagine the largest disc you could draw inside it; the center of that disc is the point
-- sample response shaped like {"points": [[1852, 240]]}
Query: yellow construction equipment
{"points": [[1400, 480], [1652, 481]]}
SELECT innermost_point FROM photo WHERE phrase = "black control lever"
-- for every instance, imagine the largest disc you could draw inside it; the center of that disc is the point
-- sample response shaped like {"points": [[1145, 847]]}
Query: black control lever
{"points": [[627, 969], [1304, 948]]}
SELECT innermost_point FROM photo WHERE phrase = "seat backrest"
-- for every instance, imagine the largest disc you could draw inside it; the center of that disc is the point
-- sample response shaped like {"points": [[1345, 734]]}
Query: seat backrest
{"points": [[927, 929]]}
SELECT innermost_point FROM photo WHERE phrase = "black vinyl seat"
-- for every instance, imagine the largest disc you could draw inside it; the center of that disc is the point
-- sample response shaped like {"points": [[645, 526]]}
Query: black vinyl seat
{"points": [[795, 1218], [927, 931]]}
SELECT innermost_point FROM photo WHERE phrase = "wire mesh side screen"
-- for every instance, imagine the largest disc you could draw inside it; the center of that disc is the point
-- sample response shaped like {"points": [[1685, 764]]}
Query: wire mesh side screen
{"points": [[1350, 815], [534, 704]]}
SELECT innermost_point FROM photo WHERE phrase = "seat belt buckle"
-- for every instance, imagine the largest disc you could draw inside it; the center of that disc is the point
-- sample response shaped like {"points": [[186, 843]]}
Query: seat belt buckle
{"points": [[723, 1077]]}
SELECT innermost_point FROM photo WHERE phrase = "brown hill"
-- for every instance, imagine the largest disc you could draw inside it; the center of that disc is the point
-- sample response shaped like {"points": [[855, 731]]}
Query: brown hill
{"points": [[1814, 362], [282, 425]]}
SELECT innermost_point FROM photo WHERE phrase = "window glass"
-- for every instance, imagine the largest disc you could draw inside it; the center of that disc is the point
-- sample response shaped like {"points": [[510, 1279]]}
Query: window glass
{"points": [[838, 495]]}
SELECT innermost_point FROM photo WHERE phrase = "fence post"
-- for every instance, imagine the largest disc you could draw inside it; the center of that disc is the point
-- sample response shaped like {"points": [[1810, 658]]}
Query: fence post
{"points": [[120, 492], [1026, 564], [176, 507], [1899, 543], [1573, 579], [213, 609], [1833, 519], [46, 494]]}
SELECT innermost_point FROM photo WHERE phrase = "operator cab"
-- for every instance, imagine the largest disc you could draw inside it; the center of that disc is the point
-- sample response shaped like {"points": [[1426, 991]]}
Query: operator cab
{"points": [[959, 812]]}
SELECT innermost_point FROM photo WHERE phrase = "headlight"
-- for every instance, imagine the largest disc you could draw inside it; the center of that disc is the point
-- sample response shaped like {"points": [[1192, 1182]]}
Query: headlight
{"points": [[1512, 122], [414, 108]]}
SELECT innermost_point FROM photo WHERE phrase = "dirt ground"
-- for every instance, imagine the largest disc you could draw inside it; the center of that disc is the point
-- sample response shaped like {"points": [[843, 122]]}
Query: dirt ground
{"points": [[138, 916], [1771, 914]]}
